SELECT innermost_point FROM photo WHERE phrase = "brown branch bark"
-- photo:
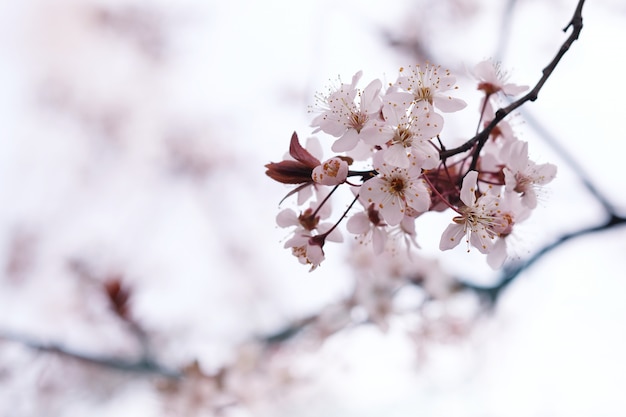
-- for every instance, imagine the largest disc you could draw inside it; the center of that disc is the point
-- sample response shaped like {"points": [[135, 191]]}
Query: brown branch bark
{"points": [[577, 24]]}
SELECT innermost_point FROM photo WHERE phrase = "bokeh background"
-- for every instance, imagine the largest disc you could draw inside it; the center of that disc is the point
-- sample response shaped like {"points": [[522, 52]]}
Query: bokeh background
{"points": [[132, 143]]}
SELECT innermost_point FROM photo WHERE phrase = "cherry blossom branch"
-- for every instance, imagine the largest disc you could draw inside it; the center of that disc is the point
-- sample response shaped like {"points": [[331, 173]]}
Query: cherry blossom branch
{"points": [[492, 293], [394, 182], [480, 139], [489, 294], [143, 365], [343, 216], [365, 175]]}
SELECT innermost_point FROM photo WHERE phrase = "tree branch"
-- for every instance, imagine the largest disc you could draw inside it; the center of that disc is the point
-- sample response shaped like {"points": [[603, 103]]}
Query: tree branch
{"points": [[577, 24], [491, 293], [144, 364]]}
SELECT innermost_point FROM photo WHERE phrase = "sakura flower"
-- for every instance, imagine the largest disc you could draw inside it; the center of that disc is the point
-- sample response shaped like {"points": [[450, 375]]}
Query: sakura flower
{"points": [[502, 133], [429, 84], [410, 136], [344, 118], [297, 167], [307, 249], [332, 172], [512, 212], [404, 233], [522, 175], [479, 219], [395, 189], [492, 79], [296, 171], [369, 227], [309, 235], [310, 218]]}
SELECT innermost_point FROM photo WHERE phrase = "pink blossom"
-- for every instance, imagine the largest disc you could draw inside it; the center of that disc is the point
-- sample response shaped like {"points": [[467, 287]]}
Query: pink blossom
{"points": [[429, 84], [308, 234], [344, 118], [409, 136], [479, 219], [492, 79], [369, 227], [512, 212], [331, 172], [523, 175], [307, 249], [394, 189]]}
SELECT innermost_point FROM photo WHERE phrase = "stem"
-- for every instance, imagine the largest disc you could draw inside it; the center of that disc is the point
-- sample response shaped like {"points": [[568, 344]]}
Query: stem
{"points": [[325, 200], [345, 213], [482, 112], [365, 175], [144, 364], [481, 138], [491, 293], [441, 197]]}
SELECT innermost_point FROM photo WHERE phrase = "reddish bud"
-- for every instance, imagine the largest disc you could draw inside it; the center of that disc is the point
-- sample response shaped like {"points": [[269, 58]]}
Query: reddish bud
{"points": [[294, 172], [118, 296]]}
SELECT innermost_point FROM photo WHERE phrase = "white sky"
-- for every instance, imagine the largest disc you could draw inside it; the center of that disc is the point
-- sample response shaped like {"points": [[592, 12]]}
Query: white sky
{"points": [[244, 72]]}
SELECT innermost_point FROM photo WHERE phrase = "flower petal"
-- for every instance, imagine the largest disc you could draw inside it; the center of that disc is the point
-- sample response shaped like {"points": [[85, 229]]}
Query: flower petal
{"points": [[452, 236]]}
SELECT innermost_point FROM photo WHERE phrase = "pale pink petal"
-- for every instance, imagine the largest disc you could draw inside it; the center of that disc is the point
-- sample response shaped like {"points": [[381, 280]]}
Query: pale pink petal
{"points": [[430, 125], [315, 255], [468, 190], [497, 255], [452, 236], [419, 199], [513, 89], [347, 142], [396, 156], [426, 155], [334, 236], [448, 104], [314, 147], [544, 173], [394, 115], [370, 99], [392, 211], [480, 239], [287, 218], [529, 198], [358, 224], [399, 99], [485, 71], [304, 194], [376, 134], [379, 238], [297, 240]]}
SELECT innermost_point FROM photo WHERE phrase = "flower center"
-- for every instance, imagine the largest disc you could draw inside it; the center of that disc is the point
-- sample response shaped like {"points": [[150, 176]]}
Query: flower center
{"points": [[397, 185], [357, 120], [403, 136], [523, 183], [425, 94], [308, 220], [373, 216], [331, 168]]}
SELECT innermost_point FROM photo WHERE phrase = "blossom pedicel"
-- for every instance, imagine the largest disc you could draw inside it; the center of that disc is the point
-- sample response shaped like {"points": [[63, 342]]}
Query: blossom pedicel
{"points": [[491, 185]]}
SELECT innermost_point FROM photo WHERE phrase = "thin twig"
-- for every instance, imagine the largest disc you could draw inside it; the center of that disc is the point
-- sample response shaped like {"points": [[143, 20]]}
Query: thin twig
{"points": [[144, 364], [577, 24], [492, 293]]}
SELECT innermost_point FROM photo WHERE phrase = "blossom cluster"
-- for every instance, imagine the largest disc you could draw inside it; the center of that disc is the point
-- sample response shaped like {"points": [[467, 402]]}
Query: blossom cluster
{"points": [[394, 133]]}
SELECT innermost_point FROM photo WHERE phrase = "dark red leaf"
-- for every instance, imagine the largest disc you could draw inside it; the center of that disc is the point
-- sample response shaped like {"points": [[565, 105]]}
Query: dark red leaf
{"points": [[300, 154]]}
